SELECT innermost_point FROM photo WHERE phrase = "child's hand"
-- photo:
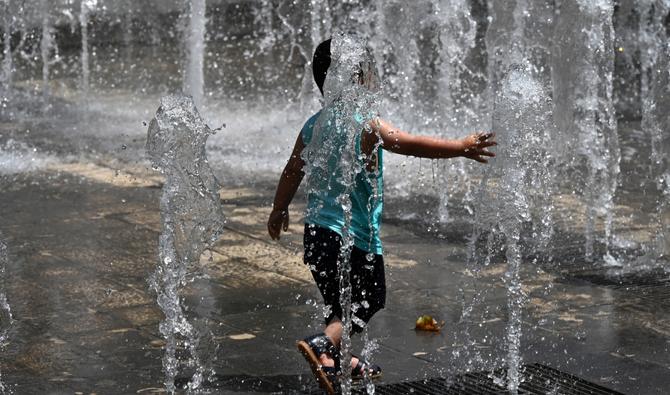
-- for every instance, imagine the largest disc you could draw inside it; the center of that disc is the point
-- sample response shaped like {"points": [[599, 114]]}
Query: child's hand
{"points": [[278, 220], [474, 146]]}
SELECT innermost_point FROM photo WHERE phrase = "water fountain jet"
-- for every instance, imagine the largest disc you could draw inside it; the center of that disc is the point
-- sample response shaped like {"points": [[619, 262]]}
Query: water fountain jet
{"points": [[194, 77], [46, 46], [655, 79], [7, 62], [191, 219], [87, 6], [582, 67]]}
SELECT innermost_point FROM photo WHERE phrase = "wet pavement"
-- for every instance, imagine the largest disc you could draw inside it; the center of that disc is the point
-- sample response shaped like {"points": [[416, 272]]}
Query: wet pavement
{"points": [[83, 239]]}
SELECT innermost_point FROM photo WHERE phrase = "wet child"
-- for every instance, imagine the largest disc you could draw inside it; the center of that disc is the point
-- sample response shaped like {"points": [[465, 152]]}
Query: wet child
{"points": [[325, 218]]}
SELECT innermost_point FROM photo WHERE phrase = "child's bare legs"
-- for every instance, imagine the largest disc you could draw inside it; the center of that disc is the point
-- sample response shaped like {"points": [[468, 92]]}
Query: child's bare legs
{"points": [[334, 331]]}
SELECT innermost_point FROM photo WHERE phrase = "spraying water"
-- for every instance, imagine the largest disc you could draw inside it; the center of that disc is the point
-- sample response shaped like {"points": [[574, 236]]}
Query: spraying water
{"points": [[582, 68], [516, 191], [194, 77], [46, 45], [456, 39], [521, 115], [191, 219], [7, 62], [655, 68], [334, 155], [87, 6]]}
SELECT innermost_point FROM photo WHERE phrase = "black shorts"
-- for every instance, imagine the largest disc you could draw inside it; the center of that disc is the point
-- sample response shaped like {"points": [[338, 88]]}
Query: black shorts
{"points": [[368, 285]]}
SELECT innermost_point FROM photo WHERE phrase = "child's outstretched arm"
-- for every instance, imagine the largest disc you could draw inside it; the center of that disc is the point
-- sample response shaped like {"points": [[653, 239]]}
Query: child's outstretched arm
{"points": [[289, 182], [395, 140]]}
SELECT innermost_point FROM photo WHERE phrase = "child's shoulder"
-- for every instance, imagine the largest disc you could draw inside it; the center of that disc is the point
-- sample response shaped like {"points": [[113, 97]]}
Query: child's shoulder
{"points": [[312, 120], [308, 127]]}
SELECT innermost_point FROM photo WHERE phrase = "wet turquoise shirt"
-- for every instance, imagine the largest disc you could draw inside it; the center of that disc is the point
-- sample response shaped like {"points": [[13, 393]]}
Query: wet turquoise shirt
{"points": [[324, 210]]}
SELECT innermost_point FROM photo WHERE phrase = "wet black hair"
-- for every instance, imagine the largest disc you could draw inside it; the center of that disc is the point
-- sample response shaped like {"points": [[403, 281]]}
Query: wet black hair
{"points": [[320, 63]]}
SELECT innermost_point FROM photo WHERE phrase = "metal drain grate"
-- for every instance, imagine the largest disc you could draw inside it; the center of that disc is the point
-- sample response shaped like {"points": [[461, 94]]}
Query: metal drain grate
{"points": [[538, 379]]}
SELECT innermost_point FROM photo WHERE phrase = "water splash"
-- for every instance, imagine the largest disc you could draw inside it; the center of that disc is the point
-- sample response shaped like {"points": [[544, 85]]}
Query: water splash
{"points": [[191, 219], [370, 347], [332, 155]]}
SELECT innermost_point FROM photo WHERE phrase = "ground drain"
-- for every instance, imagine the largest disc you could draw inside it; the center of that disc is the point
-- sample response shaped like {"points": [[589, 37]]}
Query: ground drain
{"points": [[539, 379]]}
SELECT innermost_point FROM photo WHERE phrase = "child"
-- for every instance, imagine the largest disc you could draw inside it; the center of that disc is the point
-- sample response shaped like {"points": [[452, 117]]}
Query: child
{"points": [[325, 218]]}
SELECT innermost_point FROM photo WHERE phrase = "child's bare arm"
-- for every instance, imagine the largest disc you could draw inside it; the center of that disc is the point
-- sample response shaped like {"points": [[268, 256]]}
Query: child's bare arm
{"points": [[395, 140], [289, 182]]}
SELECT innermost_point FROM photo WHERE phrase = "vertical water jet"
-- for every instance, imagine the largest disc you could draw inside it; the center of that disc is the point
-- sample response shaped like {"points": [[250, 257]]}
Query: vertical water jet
{"points": [[46, 45], [455, 38], [515, 194], [508, 205], [194, 77], [191, 219], [655, 95], [7, 61], [582, 66], [86, 7]]}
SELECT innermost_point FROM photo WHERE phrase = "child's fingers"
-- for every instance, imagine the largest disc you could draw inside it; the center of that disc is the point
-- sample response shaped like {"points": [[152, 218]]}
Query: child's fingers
{"points": [[478, 158], [273, 230], [489, 135]]}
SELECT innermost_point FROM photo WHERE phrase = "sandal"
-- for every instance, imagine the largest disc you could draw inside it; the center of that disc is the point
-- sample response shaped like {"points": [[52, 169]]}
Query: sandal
{"points": [[364, 368], [311, 348]]}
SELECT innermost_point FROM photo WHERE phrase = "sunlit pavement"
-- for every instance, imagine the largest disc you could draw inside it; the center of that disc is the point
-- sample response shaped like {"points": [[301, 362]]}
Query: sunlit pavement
{"points": [[83, 240]]}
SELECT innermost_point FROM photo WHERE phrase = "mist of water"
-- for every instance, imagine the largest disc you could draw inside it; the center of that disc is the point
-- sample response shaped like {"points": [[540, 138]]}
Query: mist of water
{"points": [[191, 219]]}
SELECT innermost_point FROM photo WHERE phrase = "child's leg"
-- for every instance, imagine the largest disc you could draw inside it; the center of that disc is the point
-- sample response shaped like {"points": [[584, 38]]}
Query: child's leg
{"points": [[368, 287], [322, 249]]}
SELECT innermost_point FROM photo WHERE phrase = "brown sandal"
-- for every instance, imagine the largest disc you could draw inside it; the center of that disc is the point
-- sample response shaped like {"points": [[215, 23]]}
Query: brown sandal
{"points": [[311, 348]]}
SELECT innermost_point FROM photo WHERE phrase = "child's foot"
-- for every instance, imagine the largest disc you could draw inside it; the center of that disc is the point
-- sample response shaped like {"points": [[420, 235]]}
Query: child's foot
{"points": [[319, 350], [360, 367], [323, 359]]}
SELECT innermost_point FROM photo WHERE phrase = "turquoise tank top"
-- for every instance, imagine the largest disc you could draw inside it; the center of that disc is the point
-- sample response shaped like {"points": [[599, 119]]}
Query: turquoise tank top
{"points": [[323, 208]]}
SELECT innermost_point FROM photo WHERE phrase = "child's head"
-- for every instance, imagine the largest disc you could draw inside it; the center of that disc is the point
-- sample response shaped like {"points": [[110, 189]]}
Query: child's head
{"points": [[365, 69], [320, 63]]}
